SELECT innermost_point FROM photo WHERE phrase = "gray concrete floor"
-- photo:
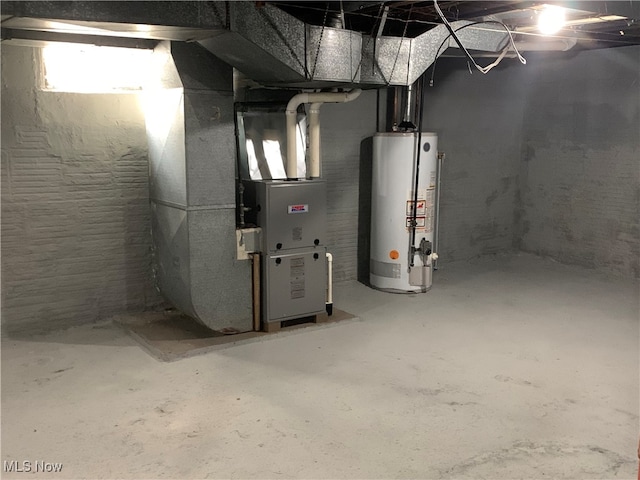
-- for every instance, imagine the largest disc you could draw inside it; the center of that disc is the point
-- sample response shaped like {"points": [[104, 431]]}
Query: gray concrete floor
{"points": [[511, 367]]}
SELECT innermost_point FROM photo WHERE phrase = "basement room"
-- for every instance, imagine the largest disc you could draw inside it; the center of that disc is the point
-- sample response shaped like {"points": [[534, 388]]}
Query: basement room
{"points": [[320, 240]]}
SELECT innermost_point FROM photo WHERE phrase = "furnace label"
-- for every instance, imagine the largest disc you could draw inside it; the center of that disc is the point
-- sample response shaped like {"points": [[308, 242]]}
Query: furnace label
{"points": [[296, 274], [303, 208]]}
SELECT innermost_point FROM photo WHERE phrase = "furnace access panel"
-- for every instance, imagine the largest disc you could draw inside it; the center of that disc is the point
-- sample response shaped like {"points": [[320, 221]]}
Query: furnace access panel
{"points": [[292, 215]]}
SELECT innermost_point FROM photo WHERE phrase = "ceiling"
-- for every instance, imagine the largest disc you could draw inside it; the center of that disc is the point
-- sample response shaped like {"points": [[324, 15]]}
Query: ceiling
{"points": [[593, 24]]}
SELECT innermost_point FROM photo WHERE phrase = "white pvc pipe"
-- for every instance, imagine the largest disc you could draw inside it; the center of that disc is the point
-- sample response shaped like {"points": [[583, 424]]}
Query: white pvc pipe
{"points": [[314, 140], [291, 113], [329, 278]]}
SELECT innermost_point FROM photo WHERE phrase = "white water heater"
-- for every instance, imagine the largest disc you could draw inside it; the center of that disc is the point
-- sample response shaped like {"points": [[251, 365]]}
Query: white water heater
{"points": [[392, 211]]}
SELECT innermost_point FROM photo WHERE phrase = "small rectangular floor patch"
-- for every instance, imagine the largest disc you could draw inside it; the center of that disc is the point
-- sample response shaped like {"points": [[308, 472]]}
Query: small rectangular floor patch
{"points": [[170, 335]]}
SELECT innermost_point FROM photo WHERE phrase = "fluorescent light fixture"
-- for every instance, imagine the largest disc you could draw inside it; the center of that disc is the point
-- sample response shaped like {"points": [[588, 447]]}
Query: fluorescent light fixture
{"points": [[551, 19], [91, 69]]}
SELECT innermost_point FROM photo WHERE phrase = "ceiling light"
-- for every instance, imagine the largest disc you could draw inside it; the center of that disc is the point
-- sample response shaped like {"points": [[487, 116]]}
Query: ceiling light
{"points": [[551, 19]]}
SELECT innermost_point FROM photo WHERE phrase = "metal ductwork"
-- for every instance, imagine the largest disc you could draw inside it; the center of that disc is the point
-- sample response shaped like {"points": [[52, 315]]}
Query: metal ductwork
{"points": [[400, 61], [274, 48], [191, 135], [265, 43]]}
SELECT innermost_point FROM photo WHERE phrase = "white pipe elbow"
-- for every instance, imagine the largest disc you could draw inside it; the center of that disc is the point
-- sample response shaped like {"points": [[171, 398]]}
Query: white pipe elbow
{"points": [[316, 100], [329, 278]]}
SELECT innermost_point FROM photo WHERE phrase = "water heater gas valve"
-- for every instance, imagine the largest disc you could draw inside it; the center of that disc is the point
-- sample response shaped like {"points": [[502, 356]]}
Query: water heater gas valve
{"points": [[424, 250]]}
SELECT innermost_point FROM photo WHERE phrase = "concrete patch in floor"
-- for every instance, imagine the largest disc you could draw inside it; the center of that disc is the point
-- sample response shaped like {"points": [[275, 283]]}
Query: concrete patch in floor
{"points": [[170, 335], [526, 459]]}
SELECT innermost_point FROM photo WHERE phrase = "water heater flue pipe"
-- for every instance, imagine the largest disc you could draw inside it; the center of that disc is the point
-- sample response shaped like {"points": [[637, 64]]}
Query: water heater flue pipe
{"points": [[316, 99]]}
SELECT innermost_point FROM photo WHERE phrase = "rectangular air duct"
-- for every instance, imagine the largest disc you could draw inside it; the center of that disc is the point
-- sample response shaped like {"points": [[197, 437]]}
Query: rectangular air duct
{"points": [[190, 129], [274, 48], [400, 61]]}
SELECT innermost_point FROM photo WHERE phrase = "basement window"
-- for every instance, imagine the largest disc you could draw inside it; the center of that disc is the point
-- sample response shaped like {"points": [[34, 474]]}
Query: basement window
{"points": [[262, 141], [79, 68]]}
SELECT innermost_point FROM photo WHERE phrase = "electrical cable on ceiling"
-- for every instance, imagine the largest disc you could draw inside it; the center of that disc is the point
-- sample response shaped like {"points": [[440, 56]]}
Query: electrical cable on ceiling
{"points": [[371, 37], [404, 32], [452, 33], [315, 62], [416, 21], [488, 67], [303, 6]]}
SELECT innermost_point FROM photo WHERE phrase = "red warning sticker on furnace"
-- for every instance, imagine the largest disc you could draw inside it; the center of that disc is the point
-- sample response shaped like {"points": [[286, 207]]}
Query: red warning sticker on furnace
{"points": [[298, 208]]}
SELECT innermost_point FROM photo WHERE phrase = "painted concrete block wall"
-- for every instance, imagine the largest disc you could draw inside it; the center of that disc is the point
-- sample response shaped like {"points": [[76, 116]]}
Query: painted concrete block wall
{"points": [[580, 165], [478, 121], [542, 158], [343, 128], [75, 203]]}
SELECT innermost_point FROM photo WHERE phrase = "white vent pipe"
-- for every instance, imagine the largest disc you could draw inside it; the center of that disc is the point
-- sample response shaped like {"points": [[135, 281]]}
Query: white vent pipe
{"points": [[314, 140], [316, 99]]}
